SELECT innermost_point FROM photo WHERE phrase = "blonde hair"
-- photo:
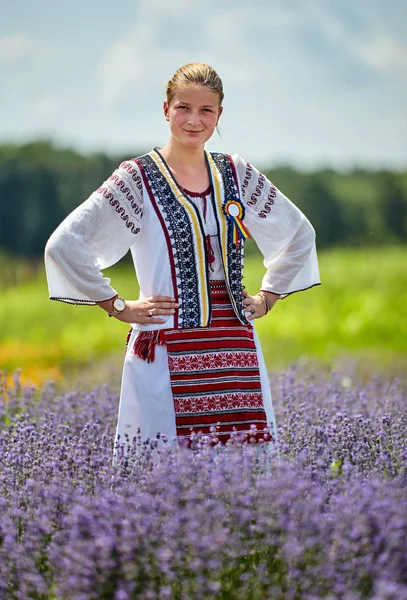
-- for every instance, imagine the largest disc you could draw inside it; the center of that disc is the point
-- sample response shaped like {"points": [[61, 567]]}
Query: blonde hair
{"points": [[195, 74]]}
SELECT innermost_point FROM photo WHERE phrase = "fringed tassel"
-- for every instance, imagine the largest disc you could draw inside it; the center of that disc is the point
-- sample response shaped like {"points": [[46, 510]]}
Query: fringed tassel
{"points": [[146, 341]]}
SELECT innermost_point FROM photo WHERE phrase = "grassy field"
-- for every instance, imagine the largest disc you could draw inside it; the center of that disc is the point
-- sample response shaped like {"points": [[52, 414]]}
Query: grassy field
{"points": [[358, 314]]}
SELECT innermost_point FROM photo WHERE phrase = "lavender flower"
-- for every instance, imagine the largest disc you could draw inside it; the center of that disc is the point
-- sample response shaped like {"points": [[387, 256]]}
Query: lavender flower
{"points": [[326, 520]]}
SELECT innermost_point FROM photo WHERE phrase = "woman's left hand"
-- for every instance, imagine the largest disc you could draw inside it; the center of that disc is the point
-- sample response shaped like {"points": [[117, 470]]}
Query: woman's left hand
{"points": [[254, 305]]}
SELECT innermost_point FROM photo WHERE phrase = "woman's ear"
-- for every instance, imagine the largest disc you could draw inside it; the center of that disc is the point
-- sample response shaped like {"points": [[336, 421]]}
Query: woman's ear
{"points": [[219, 114], [165, 109]]}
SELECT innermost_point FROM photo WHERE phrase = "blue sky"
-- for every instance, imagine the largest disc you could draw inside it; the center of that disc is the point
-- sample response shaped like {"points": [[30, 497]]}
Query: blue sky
{"points": [[307, 82]]}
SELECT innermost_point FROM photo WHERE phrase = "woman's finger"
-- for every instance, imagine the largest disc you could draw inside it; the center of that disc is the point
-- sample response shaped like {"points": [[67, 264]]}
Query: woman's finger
{"points": [[154, 321], [154, 312], [155, 299], [165, 305]]}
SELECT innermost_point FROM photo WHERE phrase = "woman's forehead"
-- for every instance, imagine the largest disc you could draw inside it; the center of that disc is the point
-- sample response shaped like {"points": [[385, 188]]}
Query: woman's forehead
{"points": [[197, 94]]}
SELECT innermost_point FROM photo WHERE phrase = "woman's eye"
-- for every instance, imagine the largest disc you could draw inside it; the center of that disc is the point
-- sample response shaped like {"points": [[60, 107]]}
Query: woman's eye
{"points": [[207, 110], [182, 107]]}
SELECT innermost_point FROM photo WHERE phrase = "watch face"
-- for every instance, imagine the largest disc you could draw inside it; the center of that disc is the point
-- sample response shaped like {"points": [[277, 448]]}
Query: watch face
{"points": [[119, 304]]}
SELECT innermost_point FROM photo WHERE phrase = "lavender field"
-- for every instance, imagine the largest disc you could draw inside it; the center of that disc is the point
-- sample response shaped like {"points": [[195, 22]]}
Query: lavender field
{"points": [[327, 519]]}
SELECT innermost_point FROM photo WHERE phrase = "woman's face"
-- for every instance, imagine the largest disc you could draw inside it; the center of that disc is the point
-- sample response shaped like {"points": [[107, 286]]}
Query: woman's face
{"points": [[193, 114]]}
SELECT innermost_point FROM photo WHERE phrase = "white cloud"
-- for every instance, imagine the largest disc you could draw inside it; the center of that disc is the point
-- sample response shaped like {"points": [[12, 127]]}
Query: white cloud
{"points": [[382, 53], [306, 79], [14, 48], [119, 69]]}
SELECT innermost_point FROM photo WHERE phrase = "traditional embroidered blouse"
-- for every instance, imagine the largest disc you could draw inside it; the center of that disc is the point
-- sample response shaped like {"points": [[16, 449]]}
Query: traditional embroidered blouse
{"points": [[141, 208]]}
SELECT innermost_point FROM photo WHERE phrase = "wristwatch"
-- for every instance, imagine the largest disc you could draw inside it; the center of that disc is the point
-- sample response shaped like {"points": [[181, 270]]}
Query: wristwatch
{"points": [[118, 306]]}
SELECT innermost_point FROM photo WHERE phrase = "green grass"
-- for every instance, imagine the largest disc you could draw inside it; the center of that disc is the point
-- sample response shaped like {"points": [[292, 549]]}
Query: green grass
{"points": [[359, 313]]}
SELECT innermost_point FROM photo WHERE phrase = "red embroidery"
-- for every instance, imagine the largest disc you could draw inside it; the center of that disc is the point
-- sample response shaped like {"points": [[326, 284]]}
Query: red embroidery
{"points": [[198, 362], [215, 377], [133, 172], [232, 401], [269, 202], [198, 194], [263, 206], [248, 176], [128, 340], [120, 188], [124, 189], [232, 166], [118, 208], [257, 192]]}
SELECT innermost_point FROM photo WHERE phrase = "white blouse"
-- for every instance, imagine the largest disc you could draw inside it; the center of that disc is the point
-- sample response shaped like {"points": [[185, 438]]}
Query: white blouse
{"points": [[205, 208], [119, 216]]}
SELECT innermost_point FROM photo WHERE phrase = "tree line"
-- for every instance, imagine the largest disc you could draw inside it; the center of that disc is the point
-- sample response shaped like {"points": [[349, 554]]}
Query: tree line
{"points": [[41, 183]]}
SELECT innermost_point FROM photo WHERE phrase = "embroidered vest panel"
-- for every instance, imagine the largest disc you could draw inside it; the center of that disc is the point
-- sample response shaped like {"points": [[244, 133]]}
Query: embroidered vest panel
{"points": [[184, 232], [232, 251]]}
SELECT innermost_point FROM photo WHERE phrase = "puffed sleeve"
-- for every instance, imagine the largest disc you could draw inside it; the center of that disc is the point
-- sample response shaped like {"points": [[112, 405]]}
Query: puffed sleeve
{"points": [[283, 234], [97, 234]]}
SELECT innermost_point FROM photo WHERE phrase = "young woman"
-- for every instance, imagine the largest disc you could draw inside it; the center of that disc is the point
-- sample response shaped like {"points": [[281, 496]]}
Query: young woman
{"points": [[193, 361]]}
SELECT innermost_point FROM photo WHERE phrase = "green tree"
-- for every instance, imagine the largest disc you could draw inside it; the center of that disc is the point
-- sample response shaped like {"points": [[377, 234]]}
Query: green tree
{"points": [[323, 209], [393, 205], [12, 204]]}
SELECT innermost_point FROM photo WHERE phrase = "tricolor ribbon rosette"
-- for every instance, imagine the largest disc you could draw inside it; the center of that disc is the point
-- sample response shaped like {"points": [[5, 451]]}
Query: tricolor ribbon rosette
{"points": [[234, 212]]}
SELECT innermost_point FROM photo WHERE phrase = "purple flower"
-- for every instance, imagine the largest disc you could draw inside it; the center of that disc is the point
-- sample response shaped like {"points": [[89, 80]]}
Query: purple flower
{"points": [[326, 520]]}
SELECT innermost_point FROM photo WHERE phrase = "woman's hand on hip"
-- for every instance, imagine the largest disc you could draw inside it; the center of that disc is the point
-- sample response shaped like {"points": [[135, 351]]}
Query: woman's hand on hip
{"points": [[257, 305], [148, 311]]}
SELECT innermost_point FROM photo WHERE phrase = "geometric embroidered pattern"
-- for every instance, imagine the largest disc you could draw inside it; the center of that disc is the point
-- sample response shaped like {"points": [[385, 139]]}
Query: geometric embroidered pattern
{"points": [[114, 202], [221, 360], [215, 377], [118, 193], [124, 188], [247, 177], [261, 199], [180, 234], [235, 253], [232, 401]]}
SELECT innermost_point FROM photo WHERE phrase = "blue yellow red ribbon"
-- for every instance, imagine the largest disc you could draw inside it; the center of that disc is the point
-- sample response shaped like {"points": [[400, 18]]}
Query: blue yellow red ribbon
{"points": [[234, 212]]}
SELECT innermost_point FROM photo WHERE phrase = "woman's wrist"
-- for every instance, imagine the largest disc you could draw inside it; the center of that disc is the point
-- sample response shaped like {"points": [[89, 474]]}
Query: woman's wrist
{"points": [[266, 305], [114, 306], [269, 298]]}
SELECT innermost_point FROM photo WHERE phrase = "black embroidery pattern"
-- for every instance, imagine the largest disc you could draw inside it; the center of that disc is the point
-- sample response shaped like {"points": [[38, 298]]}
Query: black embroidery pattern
{"points": [[113, 201], [124, 189], [257, 192], [264, 207], [119, 189], [247, 177], [269, 202], [235, 254], [182, 240]]}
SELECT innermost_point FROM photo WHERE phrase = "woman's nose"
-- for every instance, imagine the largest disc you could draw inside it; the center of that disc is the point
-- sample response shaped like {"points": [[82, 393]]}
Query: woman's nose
{"points": [[193, 118]]}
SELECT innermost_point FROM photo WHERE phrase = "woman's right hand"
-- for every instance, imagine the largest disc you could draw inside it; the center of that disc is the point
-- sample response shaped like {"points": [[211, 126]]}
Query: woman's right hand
{"points": [[146, 311]]}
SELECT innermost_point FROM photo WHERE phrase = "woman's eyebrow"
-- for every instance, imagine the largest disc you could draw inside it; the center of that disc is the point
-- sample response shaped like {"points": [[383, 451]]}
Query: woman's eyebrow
{"points": [[189, 104]]}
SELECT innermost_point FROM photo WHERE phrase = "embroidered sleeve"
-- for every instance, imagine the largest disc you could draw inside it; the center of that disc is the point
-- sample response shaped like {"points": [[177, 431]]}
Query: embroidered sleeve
{"points": [[93, 237], [124, 192], [257, 191], [282, 232]]}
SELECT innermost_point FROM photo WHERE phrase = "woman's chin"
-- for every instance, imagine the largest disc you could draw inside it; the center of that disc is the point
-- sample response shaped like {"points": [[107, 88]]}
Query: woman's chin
{"points": [[192, 141]]}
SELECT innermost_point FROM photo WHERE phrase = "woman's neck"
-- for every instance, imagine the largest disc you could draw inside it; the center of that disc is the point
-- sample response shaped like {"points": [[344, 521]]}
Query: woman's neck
{"points": [[183, 159]]}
